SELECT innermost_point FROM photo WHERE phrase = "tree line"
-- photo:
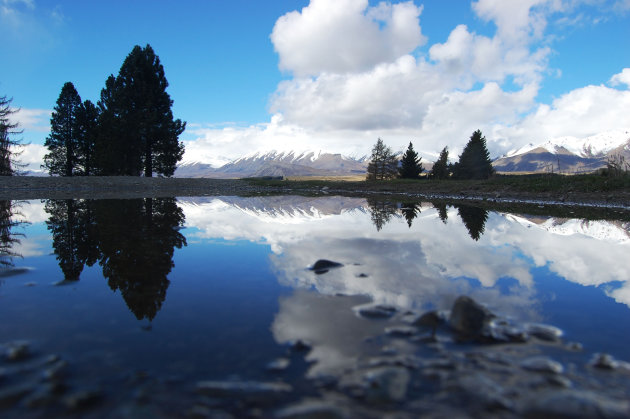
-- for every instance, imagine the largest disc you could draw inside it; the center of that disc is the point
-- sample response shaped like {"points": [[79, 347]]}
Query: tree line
{"points": [[473, 163], [130, 131]]}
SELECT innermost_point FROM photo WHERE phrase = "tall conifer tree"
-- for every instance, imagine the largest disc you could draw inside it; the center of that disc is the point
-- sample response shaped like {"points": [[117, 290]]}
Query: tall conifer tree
{"points": [[139, 134], [8, 144], [474, 162], [63, 141], [411, 167]]}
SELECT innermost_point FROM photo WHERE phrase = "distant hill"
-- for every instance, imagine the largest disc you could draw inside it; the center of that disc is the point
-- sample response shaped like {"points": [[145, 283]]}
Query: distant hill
{"points": [[279, 164], [567, 154]]}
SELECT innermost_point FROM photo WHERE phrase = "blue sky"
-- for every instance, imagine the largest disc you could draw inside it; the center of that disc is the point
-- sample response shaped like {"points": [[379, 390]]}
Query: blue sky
{"points": [[335, 74]]}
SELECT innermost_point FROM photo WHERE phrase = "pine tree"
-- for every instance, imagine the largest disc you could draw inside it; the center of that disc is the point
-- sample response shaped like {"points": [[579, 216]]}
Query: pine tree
{"points": [[87, 131], [411, 167], [139, 134], [474, 162], [8, 145], [63, 141], [440, 167], [383, 163]]}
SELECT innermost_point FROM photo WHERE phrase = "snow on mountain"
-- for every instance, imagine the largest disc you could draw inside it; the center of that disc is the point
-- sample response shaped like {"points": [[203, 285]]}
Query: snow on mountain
{"points": [[279, 163], [593, 146]]}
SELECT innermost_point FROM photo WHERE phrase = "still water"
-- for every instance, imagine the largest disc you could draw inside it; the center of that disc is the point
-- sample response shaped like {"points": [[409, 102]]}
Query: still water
{"points": [[143, 299]]}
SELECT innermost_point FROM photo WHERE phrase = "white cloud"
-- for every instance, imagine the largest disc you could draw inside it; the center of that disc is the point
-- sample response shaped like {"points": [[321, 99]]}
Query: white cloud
{"points": [[32, 156], [32, 119], [580, 113], [621, 78], [345, 35]]}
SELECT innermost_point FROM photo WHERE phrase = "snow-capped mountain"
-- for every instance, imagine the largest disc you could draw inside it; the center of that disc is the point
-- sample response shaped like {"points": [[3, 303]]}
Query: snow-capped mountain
{"points": [[279, 163], [566, 154]]}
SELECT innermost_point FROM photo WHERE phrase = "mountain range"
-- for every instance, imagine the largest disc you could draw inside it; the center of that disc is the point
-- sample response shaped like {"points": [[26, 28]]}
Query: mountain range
{"points": [[567, 154], [558, 155], [275, 163]]}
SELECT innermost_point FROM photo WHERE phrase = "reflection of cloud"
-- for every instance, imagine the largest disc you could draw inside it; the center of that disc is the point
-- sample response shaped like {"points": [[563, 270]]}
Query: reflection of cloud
{"points": [[417, 266], [328, 324]]}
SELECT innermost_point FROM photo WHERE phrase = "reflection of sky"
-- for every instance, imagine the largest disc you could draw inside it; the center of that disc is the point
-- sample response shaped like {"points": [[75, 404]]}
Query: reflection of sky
{"points": [[516, 267], [407, 266]]}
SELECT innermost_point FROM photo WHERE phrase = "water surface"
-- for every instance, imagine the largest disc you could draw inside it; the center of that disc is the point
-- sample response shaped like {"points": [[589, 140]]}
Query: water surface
{"points": [[158, 294]]}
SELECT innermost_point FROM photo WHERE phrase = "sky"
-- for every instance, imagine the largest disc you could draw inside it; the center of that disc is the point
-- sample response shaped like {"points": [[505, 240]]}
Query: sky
{"points": [[334, 75]]}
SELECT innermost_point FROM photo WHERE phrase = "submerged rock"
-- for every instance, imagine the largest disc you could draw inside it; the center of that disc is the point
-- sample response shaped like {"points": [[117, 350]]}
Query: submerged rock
{"points": [[576, 404], [323, 265], [278, 365], [312, 409], [241, 388], [386, 384], [17, 350], [542, 364], [469, 318], [376, 311]]}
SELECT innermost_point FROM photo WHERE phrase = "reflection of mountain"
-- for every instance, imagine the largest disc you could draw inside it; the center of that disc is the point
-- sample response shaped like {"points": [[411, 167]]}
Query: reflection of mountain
{"points": [[612, 231], [133, 240], [417, 265]]}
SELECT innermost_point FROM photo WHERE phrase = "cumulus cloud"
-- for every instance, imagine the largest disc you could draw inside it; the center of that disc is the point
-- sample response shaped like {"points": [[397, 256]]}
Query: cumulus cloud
{"points": [[362, 72], [621, 78], [345, 35]]}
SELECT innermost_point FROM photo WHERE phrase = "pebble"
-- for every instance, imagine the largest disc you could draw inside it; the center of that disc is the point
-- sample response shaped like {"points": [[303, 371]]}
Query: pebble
{"points": [[323, 265], [544, 332], [17, 350], [575, 404], [312, 409], [542, 364], [82, 399], [278, 365], [401, 331], [376, 311], [241, 388]]}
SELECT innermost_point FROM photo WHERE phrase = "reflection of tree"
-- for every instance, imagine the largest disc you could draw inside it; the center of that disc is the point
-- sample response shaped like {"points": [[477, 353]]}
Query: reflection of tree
{"points": [[381, 211], [474, 219], [442, 213], [137, 240], [71, 223], [8, 238], [410, 210]]}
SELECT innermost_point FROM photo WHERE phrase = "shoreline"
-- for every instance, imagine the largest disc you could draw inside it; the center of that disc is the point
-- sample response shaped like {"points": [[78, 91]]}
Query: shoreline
{"points": [[124, 187]]}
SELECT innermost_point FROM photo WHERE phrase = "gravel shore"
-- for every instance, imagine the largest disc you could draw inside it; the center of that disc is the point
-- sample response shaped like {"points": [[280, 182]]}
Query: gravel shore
{"points": [[110, 187]]}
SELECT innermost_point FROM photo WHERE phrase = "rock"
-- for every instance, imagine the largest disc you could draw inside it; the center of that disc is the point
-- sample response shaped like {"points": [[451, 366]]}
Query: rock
{"points": [[542, 364], [245, 389], [55, 371], [12, 394], [575, 404], [469, 318], [82, 399], [301, 346], [278, 365], [17, 350], [544, 332], [431, 320], [314, 409], [401, 331], [376, 311], [386, 384], [607, 362], [322, 266]]}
